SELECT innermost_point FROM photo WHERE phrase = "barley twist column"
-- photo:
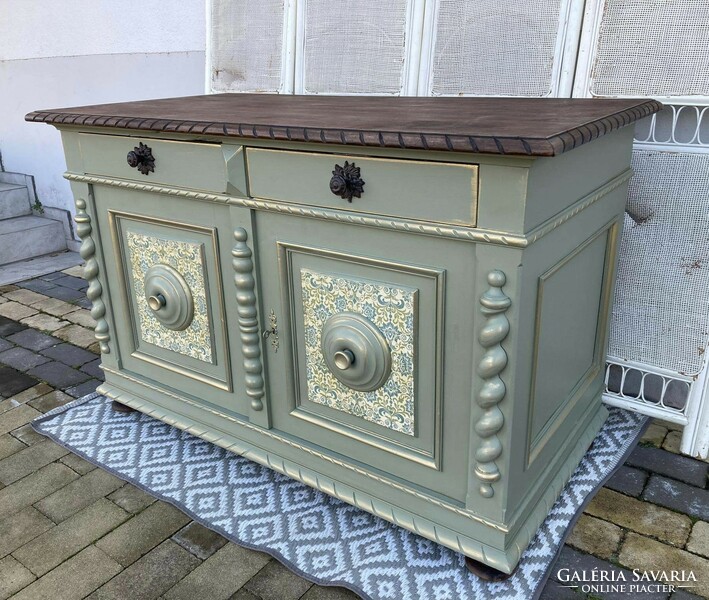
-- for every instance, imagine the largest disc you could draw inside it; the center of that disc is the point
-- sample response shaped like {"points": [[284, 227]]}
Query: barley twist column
{"points": [[88, 253], [494, 303], [248, 318]]}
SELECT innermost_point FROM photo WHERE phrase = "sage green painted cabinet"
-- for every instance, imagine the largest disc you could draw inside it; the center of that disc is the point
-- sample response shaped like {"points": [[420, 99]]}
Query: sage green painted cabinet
{"points": [[419, 332]]}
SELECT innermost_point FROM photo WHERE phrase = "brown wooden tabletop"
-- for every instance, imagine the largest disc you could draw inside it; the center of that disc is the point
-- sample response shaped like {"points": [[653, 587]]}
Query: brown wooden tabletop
{"points": [[521, 126]]}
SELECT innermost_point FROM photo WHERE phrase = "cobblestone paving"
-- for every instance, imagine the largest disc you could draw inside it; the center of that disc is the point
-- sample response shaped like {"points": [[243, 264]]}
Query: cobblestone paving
{"points": [[70, 530]]}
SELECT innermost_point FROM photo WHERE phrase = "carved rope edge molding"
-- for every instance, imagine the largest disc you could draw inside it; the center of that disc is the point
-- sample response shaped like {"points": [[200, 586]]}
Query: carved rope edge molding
{"points": [[449, 231], [95, 290], [476, 234], [550, 146], [494, 303], [248, 318], [582, 204]]}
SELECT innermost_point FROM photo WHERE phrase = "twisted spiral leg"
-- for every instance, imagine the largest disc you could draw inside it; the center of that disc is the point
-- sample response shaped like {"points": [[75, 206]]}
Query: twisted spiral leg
{"points": [[494, 304], [91, 271], [248, 318]]}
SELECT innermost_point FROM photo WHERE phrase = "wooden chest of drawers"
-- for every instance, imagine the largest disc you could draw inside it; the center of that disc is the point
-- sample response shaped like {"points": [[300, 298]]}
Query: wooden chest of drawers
{"points": [[401, 302]]}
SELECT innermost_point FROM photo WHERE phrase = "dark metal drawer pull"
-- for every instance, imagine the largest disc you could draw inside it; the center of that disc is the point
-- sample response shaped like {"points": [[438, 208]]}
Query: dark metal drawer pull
{"points": [[141, 158], [346, 182]]}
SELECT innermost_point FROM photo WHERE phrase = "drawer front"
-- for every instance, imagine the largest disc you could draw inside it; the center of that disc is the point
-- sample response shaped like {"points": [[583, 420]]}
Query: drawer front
{"points": [[420, 190], [165, 278], [359, 369], [209, 167]]}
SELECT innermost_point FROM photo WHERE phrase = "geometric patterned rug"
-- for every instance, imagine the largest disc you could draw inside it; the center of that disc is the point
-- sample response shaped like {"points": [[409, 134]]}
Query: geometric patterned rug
{"points": [[319, 537]]}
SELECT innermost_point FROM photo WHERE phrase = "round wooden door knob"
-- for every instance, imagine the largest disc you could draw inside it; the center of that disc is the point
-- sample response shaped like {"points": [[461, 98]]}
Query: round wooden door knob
{"points": [[344, 359], [156, 302], [355, 351], [169, 297]]}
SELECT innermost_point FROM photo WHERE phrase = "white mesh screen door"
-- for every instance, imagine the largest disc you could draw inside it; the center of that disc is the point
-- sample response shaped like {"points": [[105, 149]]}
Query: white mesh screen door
{"points": [[499, 47], [250, 45], [357, 46], [660, 325]]}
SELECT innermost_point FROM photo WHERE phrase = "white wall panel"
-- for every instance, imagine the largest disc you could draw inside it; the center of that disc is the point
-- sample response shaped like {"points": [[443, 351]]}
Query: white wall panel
{"points": [[79, 52], [36, 149], [39, 28]]}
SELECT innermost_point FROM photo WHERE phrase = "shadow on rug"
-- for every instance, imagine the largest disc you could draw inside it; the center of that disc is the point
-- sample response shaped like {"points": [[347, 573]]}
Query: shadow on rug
{"points": [[321, 538]]}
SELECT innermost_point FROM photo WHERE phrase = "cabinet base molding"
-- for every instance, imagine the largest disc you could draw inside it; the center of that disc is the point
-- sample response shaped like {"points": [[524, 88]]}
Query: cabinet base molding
{"points": [[514, 539]]}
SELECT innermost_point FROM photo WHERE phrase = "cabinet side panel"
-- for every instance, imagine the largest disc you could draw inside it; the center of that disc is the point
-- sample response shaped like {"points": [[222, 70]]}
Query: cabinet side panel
{"points": [[568, 282], [569, 325]]}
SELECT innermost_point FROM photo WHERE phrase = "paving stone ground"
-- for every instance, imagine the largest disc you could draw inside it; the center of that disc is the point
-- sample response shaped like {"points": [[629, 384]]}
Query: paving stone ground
{"points": [[69, 530]]}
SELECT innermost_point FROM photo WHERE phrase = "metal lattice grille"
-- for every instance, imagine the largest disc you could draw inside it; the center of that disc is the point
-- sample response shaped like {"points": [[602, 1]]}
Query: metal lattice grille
{"points": [[660, 390], [354, 46], [661, 311], [652, 47], [502, 47], [676, 124], [247, 45]]}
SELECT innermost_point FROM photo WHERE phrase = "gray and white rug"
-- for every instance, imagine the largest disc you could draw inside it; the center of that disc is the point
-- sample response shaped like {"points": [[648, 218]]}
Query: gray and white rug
{"points": [[319, 537]]}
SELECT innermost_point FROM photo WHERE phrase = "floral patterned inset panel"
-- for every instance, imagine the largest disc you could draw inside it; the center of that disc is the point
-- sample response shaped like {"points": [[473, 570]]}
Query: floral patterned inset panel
{"points": [[392, 310], [187, 258]]}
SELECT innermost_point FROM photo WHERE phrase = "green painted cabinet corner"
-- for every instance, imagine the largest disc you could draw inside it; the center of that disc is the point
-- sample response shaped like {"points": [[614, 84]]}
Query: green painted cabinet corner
{"points": [[415, 324]]}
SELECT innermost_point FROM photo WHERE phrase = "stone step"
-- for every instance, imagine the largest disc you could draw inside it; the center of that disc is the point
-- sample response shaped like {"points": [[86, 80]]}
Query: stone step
{"points": [[28, 236], [14, 200]]}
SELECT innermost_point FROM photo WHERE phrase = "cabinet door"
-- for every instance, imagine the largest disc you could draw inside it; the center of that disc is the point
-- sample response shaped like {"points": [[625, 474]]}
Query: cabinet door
{"points": [[165, 278], [363, 317]]}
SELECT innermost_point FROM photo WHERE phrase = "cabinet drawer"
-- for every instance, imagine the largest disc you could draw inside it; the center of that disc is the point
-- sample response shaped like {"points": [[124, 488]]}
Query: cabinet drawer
{"points": [[421, 190], [209, 167]]}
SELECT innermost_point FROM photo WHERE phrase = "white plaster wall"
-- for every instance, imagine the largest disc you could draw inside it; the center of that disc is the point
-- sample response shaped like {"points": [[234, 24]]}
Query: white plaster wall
{"points": [[78, 52], [41, 28]]}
